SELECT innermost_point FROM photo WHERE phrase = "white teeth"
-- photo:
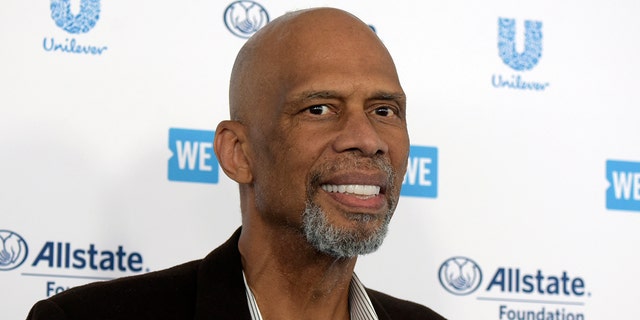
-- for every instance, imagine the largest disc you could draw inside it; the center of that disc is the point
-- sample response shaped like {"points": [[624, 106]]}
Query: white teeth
{"points": [[359, 189]]}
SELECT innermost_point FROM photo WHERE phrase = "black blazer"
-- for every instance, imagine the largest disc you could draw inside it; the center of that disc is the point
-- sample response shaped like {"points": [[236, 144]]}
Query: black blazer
{"points": [[211, 288]]}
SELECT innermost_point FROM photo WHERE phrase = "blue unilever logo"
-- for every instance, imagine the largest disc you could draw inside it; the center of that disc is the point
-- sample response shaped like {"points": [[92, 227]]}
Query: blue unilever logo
{"points": [[460, 275], [193, 158], [14, 250], [519, 61], [82, 22], [76, 24], [532, 44], [244, 18]]}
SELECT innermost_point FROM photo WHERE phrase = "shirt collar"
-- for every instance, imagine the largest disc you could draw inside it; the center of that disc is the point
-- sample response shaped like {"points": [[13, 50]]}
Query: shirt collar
{"points": [[360, 307]]}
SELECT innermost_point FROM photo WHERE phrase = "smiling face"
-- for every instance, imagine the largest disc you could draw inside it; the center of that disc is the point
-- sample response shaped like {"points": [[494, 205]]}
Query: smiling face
{"points": [[325, 119]]}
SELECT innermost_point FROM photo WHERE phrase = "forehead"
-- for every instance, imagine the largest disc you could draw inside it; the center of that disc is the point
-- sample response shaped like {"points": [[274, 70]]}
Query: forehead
{"points": [[348, 61], [340, 77], [345, 47]]}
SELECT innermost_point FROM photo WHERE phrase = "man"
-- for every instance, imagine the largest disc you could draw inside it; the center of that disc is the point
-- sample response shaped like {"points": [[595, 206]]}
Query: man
{"points": [[318, 144]]}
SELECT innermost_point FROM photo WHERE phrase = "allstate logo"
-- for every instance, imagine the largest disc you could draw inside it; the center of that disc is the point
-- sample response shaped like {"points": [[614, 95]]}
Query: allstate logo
{"points": [[13, 250], [532, 44], [460, 275], [244, 18], [79, 23]]}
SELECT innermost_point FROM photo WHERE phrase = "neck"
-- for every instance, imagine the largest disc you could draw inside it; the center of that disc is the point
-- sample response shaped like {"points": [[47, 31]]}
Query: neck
{"points": [[290, 279]]}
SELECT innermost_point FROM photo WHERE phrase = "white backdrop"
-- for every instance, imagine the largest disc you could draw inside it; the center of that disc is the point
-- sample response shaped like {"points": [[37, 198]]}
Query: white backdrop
{"points": [[523, 196]]}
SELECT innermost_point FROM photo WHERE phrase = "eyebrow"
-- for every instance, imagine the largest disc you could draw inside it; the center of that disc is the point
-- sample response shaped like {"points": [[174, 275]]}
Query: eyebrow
{"points": [[398, 97], [313, 95]]}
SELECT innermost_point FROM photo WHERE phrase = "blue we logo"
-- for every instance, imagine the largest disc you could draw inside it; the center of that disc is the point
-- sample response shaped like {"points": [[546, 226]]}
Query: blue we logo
{"points": [[193, 158], [520, 61], [623, 192], [421, 178], [82, 22]]}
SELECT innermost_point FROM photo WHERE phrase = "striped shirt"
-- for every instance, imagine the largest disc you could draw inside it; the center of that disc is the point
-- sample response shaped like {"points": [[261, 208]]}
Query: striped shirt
{"points": [[359, 303]]}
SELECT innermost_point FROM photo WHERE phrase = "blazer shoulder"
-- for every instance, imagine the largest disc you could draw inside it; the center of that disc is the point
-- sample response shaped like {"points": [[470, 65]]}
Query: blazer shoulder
{"points": [[393, 308]]}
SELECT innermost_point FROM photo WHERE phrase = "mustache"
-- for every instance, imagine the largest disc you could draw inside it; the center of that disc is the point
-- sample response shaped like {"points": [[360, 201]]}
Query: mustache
{"points": [[349, 162]]}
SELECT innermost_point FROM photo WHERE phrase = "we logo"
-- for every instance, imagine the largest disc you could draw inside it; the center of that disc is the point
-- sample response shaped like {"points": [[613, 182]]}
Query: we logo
{"points": [[193, 158], [421, 179]]}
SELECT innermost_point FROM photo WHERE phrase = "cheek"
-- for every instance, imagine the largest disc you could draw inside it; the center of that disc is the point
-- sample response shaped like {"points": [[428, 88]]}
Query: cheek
{"points": [[399, 152], [402, 162], [281, 172]]}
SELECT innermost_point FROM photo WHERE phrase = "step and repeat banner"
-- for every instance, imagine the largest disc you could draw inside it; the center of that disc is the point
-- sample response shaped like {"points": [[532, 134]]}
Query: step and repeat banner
{"points": [[522, 193]]}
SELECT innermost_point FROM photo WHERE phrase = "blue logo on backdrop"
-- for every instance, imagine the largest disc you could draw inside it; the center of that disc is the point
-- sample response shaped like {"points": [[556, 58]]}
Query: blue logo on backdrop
{"points": [[523, 61], [60, 258], [421, 179], [623, 192], [460, 275], [75, 24], [244, 18], [556, 295], [14, 250], [532, 44], [193, 159], [80, 23]]}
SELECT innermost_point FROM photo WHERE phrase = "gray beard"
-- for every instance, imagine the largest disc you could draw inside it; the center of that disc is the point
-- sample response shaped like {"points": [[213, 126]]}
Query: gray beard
{"points": [[339, 242]]}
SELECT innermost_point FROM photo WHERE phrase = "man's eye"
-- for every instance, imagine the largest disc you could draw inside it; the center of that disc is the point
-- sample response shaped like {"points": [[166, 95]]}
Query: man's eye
{"points": [[319, 110], [384, 111]]}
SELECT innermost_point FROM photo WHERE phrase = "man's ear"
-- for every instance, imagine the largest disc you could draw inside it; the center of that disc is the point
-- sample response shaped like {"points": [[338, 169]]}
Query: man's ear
{"points": [[229, 145]]}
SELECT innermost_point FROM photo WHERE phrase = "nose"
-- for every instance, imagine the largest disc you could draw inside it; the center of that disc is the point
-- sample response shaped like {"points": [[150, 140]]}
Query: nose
{"points": [[358, 133]]}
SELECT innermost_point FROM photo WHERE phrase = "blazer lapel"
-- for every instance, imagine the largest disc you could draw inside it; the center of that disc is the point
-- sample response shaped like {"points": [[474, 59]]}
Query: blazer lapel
{"points": [[377, 305], [221, 293]]}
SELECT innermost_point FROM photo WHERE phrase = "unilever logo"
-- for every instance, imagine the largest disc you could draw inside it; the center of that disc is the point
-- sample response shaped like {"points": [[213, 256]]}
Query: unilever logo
{"points": [[13, 251], [460, 275], [79, 23], [532, 44], [75, 24], [244, 18], [519, 61]]}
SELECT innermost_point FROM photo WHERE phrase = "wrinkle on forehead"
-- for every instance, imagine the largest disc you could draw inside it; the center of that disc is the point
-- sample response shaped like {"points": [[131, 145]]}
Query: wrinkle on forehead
{"points": [[277, 55]]}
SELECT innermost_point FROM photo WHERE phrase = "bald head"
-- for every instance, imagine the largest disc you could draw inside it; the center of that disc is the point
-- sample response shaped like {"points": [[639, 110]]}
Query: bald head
{"points": [[280, 54]]}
